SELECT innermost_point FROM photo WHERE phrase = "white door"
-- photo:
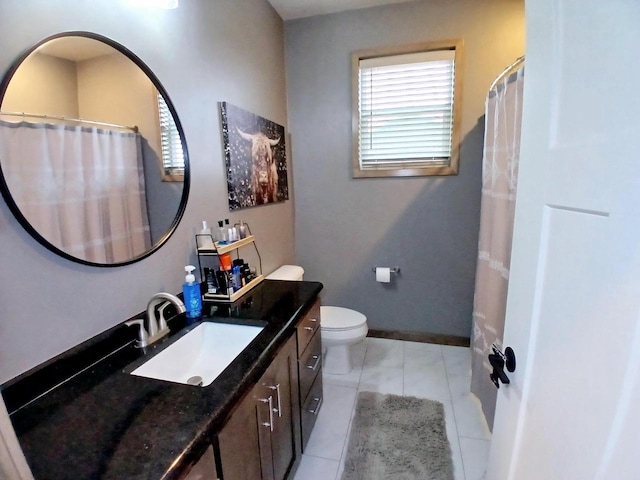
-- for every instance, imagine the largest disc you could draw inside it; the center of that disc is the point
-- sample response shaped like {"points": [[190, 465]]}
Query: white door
{"points": [[572, 411], [13, 465]]}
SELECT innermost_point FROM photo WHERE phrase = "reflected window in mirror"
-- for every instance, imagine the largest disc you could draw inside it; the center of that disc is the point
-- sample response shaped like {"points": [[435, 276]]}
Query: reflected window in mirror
{"points": [[171, 145], [88, 140]]}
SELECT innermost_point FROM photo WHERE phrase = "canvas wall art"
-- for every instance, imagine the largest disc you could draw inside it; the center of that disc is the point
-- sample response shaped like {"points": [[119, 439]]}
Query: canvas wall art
{"points": [[255, 156]]}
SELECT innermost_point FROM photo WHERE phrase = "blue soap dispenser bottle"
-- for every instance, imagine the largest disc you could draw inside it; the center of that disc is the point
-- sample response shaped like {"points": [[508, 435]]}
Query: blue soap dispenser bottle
{"points": [[191, 292]]}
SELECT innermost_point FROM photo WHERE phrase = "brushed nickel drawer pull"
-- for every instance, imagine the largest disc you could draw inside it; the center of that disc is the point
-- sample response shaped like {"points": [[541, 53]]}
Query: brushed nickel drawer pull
{"points": [[315, 411], [309, 329], [317, 362], [270, 422], [277, 389], [313, 320]]}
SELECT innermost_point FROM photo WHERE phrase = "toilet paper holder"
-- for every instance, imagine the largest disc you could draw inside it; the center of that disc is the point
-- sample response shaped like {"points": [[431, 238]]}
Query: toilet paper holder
{"points": [[395, 270]]}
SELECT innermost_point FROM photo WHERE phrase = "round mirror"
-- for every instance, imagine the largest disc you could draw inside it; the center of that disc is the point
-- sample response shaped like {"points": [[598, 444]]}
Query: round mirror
{"points": [[93, 161]]}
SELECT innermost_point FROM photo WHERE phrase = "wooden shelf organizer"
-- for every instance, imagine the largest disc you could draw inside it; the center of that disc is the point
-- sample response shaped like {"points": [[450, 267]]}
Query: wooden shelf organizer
{"points": [[218, 250]]}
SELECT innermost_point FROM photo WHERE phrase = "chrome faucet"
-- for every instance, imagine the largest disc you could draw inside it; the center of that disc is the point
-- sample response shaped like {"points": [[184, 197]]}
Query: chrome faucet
{"points": [[155, 329]]}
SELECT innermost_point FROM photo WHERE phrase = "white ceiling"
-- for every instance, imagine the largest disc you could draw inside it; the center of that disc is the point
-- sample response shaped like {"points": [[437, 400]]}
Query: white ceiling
{"points": [[290, 9], [75, 48]]}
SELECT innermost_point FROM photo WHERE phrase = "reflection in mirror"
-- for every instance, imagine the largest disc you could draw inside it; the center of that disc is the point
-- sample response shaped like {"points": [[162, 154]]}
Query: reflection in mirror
{"points": [[91, 154]]}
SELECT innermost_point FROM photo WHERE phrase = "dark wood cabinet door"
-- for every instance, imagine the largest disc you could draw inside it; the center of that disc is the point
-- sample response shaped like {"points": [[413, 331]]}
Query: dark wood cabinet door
{"points": [[258, 442], [282, 440], [205, 468], [239, 444], [264, 407]]}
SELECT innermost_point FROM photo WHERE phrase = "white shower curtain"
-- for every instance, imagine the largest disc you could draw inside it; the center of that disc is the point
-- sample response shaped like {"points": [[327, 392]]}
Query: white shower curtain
{"points": [[499, 184], [80, 188]]}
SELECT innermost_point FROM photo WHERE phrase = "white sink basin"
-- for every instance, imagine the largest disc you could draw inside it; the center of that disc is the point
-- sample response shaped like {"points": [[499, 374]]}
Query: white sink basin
{"points": [[203, 352]]}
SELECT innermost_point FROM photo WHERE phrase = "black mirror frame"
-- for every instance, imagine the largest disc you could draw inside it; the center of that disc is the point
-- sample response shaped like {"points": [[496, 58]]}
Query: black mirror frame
{"points": [[4, 188]]}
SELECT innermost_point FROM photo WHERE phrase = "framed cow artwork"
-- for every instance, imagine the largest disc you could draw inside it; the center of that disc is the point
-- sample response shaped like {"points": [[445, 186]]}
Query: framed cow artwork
{"points": [[255, 156]]}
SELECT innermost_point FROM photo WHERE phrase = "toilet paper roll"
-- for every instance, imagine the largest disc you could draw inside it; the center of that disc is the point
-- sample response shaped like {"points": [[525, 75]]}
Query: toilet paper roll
{"points": [[383, 274]]}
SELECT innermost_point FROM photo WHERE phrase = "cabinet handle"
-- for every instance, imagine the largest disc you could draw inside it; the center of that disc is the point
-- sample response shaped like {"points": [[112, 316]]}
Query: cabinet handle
{"points": [[317, 362], [313, 320], [277, 389], [270, 422], [309, 329], [317, 409]]}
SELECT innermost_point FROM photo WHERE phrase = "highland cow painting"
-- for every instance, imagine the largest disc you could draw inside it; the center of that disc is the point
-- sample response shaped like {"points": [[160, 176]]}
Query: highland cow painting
{"points": [[255, 157]]}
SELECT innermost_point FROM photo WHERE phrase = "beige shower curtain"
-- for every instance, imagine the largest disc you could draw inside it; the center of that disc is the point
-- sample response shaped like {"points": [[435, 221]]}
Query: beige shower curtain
{"points": [[499, 182], [81, 188]]}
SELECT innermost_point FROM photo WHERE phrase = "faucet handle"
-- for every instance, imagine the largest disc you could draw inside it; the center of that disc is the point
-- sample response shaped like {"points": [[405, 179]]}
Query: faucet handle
{"points": [[155, 333], [143, 338], [162, 322]]}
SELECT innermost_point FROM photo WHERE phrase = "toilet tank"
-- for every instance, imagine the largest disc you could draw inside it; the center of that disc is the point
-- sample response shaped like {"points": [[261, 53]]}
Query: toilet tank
{"points": [[287, 272]]}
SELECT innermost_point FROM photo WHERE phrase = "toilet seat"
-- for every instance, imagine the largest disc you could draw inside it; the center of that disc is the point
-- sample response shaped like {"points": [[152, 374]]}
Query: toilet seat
{"points": [[338, 319]]}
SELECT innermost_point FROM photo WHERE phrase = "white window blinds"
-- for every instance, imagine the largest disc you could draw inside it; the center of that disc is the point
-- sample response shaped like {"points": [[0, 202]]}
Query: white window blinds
{"points": [[406, 110], [172, 153]]}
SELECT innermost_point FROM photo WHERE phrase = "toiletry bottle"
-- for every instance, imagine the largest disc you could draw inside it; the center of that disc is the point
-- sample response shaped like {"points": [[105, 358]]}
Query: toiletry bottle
{"points": [[229, 230], [221, 277], [191, 292], [229, 285], [239, 262], [205, 238], [230, 288], [209, 276], [237, 281], [222, 234], [242, 230], [245, 272], [225, 261]]}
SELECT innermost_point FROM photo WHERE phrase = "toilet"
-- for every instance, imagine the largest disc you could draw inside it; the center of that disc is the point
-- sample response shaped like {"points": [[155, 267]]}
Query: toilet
{"points": [[340, 327]]}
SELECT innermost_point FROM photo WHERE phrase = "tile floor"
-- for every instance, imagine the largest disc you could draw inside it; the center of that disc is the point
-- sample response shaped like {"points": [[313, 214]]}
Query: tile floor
{"points": [[437, 372]]}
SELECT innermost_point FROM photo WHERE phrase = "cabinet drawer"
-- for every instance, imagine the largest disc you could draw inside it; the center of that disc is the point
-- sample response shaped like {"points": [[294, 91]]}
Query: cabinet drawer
{"points": [[310, 408], [310, 364], [307, 326]]}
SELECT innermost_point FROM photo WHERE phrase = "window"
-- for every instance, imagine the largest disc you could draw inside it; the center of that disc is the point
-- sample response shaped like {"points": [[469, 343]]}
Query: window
{"points": [[406, 104], [170, 143]]}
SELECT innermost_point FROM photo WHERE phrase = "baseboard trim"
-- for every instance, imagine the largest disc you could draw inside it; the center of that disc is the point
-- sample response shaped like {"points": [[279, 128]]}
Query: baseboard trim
{"points": [[421, 337]]}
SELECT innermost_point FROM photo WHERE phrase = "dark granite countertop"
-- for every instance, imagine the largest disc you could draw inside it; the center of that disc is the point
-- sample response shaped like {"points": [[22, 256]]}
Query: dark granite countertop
{"points": [[103, 423]]}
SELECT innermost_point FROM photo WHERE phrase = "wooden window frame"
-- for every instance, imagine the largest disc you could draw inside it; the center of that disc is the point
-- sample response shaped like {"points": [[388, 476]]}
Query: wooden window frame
{"points": [[401, 171]]}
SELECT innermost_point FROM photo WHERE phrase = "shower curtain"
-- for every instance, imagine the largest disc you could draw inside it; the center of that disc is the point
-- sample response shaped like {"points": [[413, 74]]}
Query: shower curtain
{"points": [[499, 183], [80, 188]]}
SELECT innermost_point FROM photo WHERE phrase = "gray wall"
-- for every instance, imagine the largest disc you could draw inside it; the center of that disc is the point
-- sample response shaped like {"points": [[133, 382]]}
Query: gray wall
{"points": [[204, 52], [163, 198], [426, 226]]}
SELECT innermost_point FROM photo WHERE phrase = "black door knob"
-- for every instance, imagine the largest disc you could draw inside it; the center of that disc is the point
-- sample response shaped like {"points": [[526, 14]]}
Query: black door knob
{"points": [[499, 361]]}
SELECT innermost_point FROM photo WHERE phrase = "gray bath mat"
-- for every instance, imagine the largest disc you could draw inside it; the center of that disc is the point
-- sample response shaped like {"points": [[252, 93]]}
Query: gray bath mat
{"points": [[399, 438]]}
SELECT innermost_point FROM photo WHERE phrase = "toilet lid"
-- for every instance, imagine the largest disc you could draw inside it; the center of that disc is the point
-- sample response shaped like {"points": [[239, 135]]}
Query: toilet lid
{"points": [[339, 318]]}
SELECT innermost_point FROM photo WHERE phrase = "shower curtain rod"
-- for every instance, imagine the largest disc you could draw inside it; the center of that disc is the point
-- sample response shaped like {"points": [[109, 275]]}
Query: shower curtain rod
{"points": [[506, 71], [80, 120]]}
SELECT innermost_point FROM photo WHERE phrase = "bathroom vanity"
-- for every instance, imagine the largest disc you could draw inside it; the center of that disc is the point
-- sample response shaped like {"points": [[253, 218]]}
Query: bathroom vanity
{"points": [[106, 409], [83, 415]]}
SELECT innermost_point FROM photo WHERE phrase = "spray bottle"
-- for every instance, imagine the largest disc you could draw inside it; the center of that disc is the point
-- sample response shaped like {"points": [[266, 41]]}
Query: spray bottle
{"points": [[205, 238]]}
